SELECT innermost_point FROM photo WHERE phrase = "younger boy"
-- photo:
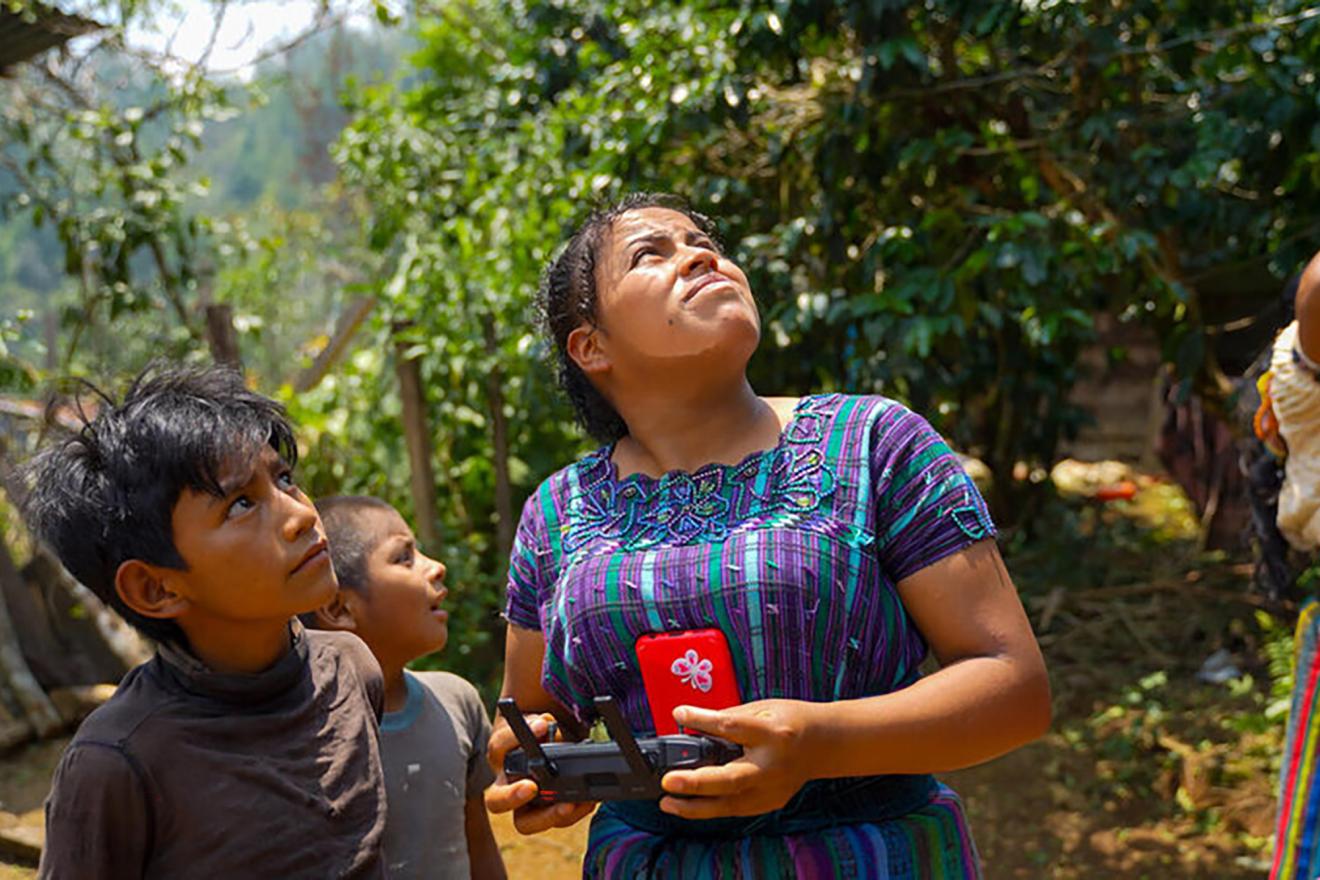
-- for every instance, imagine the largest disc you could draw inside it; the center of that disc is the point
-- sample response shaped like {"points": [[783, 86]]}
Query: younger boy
{"points": [[246, 747], [434, 732]]}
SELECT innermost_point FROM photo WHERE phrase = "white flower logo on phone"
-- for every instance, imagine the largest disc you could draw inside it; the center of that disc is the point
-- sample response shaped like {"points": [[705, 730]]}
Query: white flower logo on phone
{"points": [[693, 670]]}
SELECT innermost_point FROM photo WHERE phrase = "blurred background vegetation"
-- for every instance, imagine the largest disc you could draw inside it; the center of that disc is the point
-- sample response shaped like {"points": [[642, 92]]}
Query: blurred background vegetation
{"points": [[933, 201], [950, 202]]}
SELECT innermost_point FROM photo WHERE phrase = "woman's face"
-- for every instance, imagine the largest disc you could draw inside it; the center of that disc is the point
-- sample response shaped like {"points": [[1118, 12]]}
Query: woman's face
{"points": [[666, 296]]}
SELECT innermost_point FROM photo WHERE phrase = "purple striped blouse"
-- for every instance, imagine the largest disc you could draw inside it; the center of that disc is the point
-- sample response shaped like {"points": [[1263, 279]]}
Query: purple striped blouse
{"points": [[793, 553]]}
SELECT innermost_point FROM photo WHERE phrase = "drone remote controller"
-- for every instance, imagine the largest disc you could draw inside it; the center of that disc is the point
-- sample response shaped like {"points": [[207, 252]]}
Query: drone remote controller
{"points": [[624, 769]]}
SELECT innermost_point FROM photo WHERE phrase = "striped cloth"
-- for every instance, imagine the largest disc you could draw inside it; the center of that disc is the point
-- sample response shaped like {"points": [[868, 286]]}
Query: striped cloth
{"points": [[933, 841], [1295, 393], [794, 554], [1297, 827]]}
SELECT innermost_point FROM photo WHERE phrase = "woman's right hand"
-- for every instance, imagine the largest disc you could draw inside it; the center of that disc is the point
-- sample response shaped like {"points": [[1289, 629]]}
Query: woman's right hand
{"points": [[503, 796]]}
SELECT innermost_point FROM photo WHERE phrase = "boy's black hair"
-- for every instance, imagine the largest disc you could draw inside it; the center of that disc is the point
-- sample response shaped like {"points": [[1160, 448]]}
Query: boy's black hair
{"points": [[350, 544], [568, 297], [106, 494]]}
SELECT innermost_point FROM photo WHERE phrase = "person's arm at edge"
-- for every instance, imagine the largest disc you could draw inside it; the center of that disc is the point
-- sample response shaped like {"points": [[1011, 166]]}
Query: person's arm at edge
{"points": [[991, 680], [98, 817], [484, 859], [483, 852], [1308, 311], [990, 696], [524, 652]]}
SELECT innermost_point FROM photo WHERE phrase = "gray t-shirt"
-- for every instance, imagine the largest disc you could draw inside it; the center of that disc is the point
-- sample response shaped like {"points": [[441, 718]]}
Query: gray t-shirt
{"points": [[187, 772], [434, 754]]}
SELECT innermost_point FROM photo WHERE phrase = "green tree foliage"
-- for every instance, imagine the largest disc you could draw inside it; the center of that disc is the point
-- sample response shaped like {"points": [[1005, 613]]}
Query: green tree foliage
{"points": [[932, 200], [137, 187], [93, 144]]}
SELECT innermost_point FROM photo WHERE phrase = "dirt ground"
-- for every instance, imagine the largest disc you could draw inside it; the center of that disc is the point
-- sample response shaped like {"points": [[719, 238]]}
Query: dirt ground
{"points": [[1030, 823], [1149, 772]]}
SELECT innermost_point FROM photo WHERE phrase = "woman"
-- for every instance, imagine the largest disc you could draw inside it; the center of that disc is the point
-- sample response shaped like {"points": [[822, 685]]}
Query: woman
{"points": [[830, 538], [1287, 479]]}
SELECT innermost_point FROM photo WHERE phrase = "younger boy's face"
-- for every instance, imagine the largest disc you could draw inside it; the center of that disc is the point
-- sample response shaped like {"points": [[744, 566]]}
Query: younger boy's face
{"points": [[256, 554], [398, 612]]}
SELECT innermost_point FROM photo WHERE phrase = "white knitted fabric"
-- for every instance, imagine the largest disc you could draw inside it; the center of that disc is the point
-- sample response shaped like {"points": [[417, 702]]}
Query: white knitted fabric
{"points": [[1296, 395]]}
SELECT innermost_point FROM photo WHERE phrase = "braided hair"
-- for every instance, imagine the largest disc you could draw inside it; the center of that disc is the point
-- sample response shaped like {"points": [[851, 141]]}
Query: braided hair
{"points": [[568, 298]]}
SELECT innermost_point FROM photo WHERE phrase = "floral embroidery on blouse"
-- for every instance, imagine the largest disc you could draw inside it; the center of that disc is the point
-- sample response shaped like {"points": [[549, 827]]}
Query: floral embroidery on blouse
{"points": [[680, 508]]}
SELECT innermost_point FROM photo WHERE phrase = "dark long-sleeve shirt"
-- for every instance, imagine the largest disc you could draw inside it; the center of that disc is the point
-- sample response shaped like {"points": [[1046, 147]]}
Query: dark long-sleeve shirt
{"points": [[186, 772]]}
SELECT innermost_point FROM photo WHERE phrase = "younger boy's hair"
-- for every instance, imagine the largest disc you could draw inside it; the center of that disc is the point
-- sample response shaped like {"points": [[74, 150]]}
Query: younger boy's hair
{"points": [[106, 494], [350, 544]]}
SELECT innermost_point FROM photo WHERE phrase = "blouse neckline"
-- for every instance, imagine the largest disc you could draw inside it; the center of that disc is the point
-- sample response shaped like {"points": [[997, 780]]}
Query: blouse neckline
{"points": [[605, 455]]}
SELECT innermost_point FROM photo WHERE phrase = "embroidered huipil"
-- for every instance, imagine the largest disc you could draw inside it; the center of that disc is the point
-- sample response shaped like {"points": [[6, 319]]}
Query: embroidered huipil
{"points": [[794, 554]]}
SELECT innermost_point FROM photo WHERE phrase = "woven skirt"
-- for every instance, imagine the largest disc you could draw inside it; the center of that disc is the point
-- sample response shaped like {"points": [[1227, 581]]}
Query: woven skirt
{"points": [[931, 842], [1297, 830]]}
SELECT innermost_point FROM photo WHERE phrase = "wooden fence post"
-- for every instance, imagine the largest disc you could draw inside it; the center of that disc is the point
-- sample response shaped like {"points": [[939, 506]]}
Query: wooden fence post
{"points": [[220, 335], [417, 435], [499, 428], [349, 321]]}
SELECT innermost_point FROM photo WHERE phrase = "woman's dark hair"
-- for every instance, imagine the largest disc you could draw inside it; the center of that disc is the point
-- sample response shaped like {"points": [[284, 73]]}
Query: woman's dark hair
{"points": [[106, 493], [568, 297]]}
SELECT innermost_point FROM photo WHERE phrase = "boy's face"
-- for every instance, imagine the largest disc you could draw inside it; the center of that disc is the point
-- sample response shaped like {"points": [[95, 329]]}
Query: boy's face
{"points": [[397, 612], [256, 554]]}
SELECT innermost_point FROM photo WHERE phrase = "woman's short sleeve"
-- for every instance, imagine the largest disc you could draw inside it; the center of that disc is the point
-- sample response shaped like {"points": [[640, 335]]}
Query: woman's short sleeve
{"points": [[527, 566], [927, 507]]}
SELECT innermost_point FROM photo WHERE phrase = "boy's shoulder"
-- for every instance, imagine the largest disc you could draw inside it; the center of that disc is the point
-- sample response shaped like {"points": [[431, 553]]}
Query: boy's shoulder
{"points": [[448, 685], [561, 482], [137, 699], [342, 653], [337, 644], [456, 695], [145, 694]]}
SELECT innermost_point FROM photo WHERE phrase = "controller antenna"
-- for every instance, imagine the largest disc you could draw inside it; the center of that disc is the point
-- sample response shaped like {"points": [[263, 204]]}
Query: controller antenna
{"points": [[621, 734], [542, 769]]}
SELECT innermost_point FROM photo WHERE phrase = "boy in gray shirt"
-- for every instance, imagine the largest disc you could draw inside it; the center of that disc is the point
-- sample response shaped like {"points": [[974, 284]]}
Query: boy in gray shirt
{"points": [[434, 732], [245, 747]]}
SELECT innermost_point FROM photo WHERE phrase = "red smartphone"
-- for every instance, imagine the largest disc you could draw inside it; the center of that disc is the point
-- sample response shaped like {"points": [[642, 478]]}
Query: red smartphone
{"points": [[688, 668]]}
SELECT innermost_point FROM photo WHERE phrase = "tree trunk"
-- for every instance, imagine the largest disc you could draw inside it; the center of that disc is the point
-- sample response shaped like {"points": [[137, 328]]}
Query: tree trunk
{"points": [[62, 634], [56, 637], [221, 336], [348, 323], [418, 437], [13, 729], [499, 426], [50, 662], [36, 707], [107, 645]]}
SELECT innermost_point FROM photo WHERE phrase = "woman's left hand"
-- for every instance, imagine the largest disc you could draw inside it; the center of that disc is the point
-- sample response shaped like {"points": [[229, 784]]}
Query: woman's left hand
{"points": [[775, 738]]}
